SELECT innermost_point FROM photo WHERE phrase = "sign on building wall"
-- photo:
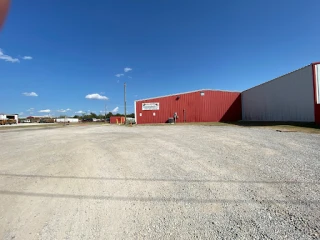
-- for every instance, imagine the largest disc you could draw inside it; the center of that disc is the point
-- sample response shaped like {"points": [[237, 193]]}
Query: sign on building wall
{"points": [[150, 106]]}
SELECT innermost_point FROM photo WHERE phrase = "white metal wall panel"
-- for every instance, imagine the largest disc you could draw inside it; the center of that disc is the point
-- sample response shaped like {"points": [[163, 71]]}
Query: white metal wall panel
{"points": [[135, 112], [318, 82], [287, 98]]}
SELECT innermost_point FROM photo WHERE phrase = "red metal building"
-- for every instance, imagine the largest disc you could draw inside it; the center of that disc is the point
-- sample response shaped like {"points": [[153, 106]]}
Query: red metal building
{"points": [[196, 106]]}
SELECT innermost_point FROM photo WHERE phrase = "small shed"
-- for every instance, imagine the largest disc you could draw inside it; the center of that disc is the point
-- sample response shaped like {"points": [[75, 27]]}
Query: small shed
{"points": [[117, 119]]}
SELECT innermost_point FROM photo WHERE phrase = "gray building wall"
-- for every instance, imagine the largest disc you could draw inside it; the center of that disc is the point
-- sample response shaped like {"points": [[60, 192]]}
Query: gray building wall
{"points": [[287, 98]]}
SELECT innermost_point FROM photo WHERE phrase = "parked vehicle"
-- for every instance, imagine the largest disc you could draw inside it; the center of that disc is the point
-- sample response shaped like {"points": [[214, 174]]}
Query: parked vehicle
{"points": [[130, 120], [87, 120]]}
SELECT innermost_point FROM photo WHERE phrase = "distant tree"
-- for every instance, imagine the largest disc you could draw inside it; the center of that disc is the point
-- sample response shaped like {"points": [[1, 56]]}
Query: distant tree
{"points": [[76, 116], [101, 116], [93, 115], [109, 114], [131, 115]]}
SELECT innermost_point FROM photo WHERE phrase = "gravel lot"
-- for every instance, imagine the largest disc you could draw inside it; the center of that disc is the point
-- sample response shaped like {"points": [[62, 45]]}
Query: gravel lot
{"points": [[26, 125], [159, 182]]}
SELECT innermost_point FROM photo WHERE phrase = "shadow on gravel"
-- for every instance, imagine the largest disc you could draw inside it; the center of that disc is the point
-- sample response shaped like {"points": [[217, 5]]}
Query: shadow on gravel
{"points": [[311, 126], [157, 199], [157, 179]]}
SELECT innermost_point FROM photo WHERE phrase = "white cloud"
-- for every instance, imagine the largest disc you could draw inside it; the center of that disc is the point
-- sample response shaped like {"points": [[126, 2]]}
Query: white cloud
{"points": [[30, 94], [45, 111], [7, 58], [129, 77], [30, 110], [119, 75], [21, 113], [27, 58], [80, 112], [96, 96], [127, 69], [115, 110], [64, 110]]}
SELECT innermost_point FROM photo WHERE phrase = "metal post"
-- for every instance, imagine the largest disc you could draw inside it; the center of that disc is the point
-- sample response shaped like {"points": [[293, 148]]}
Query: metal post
{"points": [[105, 112], [125, 104]]}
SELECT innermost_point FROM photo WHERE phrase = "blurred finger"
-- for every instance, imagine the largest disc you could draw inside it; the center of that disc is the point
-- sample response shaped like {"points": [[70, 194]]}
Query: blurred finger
{"points": [[4, 6]]}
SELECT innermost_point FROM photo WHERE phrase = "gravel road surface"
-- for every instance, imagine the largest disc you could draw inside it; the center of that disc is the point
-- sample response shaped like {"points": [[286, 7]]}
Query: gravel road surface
{"points": [[159, 182], [27, 125]]}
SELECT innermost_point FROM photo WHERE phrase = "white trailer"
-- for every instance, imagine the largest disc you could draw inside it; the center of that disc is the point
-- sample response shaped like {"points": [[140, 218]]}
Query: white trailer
{"points": [[67, 120]]}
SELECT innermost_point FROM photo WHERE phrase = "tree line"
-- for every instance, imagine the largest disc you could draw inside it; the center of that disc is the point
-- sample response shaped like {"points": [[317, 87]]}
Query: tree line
{"points": [[100, 116]]}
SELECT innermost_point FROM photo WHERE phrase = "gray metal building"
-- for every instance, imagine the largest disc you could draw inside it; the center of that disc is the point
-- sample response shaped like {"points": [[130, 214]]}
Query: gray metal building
{"points": [[291, 97]]}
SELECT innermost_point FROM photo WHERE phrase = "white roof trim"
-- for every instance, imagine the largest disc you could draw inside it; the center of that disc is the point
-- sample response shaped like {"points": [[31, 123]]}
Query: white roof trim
{"points": [[217, 90]]}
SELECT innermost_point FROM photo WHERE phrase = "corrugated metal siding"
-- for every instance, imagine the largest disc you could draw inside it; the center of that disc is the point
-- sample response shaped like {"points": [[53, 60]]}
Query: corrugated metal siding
{"points": [[287, 98], [316, 76], [214, 106], [113, 119]]}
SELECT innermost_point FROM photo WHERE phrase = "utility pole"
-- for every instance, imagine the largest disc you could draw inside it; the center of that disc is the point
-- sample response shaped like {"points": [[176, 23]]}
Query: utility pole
{"points": [[105, 112], [125, 104]]}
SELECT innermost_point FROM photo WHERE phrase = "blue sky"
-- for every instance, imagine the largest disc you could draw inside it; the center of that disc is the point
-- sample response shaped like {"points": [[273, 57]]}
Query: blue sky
{"points": [[170, 46]]}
